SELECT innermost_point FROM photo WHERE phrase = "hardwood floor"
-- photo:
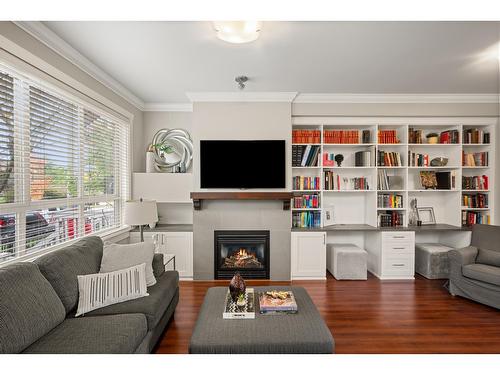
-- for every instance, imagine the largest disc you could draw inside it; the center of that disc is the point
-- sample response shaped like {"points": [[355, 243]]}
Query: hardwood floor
{"points": [[371, 316]]}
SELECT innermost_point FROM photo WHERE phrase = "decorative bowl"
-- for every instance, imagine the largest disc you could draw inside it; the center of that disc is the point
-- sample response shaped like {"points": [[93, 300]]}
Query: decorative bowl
{"points": [[439, 162]]}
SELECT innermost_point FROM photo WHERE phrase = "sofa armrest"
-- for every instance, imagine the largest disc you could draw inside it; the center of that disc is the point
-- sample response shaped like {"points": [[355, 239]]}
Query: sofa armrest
{"points": [[463, 256], [158, 265]]}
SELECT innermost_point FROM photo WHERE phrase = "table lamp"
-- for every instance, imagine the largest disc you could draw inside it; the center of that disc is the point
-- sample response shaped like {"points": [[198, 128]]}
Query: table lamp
{"points": [[140, 212]]}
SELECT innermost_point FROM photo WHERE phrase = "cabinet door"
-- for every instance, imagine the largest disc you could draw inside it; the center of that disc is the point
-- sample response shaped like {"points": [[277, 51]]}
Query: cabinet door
{"points": [[180, 244], [308, 255]]}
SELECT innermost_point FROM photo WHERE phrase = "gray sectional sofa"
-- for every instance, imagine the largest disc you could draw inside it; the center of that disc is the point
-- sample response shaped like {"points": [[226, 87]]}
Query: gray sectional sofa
{"points": [[38, 302], [475, 269]]}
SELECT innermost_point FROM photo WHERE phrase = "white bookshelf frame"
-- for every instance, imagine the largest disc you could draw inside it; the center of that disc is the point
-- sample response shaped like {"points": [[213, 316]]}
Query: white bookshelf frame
{"points": [[450, 212]]}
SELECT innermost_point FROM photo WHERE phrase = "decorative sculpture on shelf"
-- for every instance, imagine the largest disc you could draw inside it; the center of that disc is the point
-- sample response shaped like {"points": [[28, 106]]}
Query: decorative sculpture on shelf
{"points": [[339, 158], [172, 150], [413, 217]]}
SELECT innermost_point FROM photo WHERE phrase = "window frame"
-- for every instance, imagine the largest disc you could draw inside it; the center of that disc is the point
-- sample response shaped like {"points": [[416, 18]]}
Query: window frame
{"points": [[23, 204]]}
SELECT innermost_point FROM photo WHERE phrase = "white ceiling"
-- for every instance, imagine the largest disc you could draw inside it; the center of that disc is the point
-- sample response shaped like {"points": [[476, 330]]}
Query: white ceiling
{"points": [[160, 61]]}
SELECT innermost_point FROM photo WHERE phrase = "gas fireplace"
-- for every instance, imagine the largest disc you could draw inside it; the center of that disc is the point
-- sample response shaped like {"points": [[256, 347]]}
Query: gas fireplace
{"points": [[246, 252]]}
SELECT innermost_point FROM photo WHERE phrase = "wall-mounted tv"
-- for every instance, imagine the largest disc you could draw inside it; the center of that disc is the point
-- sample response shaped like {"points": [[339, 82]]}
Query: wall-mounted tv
{"points": [[242, 164]]}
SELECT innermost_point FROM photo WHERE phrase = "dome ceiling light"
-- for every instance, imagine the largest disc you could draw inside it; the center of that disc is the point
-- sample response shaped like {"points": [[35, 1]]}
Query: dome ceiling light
{"points": [[237, 31]]}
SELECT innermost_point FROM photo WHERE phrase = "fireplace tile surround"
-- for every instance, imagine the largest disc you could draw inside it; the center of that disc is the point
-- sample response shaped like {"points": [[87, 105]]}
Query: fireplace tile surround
{"points": [[237, 216]]}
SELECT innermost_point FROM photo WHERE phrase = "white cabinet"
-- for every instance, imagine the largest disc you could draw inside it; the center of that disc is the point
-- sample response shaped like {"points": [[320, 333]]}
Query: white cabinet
{"points": [[163, 187], [308, 256], [391, 255], [179, 244]]}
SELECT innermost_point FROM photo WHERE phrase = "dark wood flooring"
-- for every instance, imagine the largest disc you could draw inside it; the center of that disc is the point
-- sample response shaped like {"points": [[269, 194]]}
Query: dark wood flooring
{"points": [[371, 316]]}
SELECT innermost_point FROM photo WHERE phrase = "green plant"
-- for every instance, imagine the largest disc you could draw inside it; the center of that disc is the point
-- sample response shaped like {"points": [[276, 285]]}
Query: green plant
{"points": [[163, 147]]}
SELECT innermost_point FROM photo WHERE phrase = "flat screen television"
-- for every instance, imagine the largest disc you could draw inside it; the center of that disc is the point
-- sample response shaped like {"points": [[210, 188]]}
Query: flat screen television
{"points": [[241, 164]]}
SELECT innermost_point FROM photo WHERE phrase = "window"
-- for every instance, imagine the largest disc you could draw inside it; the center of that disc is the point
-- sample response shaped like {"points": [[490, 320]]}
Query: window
{"points": [[63, 167]]}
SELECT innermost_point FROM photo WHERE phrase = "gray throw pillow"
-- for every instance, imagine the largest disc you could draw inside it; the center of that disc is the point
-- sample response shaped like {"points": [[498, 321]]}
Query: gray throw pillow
{"points": [[117, 257], [489, 257]]}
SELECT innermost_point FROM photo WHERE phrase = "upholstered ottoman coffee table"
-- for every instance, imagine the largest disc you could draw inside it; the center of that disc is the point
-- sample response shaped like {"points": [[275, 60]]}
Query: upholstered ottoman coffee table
{"points": [[303, 332]]}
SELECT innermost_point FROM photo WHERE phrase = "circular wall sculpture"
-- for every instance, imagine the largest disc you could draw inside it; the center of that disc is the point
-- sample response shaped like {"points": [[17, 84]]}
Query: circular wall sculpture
{"points": [[173, 150]]}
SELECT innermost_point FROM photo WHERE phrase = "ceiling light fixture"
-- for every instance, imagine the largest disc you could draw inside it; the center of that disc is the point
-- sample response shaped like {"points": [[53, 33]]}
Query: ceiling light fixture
{"points": [[237, 31]]}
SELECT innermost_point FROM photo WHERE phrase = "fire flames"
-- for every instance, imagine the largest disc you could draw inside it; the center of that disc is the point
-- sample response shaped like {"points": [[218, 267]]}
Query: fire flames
{"points": [[242, 258]]}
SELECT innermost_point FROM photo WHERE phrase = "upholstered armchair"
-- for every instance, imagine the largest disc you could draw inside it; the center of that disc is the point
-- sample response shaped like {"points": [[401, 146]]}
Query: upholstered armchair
{"points": [[475, 269]]}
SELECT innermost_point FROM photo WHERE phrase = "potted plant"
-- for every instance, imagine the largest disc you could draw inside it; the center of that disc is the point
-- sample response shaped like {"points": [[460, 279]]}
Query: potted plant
{"points": [[432, 138]]}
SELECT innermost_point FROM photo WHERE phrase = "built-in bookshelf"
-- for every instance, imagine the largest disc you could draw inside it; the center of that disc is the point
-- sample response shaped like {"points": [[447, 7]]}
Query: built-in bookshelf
{"points": [[368, 170]]}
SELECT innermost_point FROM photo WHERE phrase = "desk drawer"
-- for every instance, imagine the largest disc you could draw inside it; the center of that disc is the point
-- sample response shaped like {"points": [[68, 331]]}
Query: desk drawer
{"points": [[398, 248], [401, 265], [398, 236]]}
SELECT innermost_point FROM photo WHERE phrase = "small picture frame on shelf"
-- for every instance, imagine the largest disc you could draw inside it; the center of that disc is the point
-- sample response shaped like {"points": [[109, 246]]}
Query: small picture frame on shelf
{"points": [[328, 216], [426, 215]]}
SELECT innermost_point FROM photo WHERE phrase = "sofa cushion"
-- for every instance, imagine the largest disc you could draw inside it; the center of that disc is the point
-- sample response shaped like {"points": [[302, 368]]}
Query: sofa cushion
{"points": [[153, 306], [158, 265], [489, 257], [94, 335], [29, 307], [62, 267], [482, 272]]}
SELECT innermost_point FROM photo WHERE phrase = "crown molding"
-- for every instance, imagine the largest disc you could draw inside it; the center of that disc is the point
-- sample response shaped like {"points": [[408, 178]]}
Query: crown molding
{"points": [[242, 96], [397, 98], [41, 32], [168, 107]]}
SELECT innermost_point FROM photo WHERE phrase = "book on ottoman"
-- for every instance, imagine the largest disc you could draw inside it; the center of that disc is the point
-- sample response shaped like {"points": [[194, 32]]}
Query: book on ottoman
{"points": [[277, 302]]}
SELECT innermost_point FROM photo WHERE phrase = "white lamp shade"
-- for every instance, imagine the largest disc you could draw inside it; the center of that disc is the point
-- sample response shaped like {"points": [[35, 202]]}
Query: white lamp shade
{"points": [[140, 212]]}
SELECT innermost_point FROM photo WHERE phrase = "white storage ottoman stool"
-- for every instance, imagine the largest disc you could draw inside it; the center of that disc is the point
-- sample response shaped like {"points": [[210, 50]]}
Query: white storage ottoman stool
{"points": [[346, 261], [431, 260]]}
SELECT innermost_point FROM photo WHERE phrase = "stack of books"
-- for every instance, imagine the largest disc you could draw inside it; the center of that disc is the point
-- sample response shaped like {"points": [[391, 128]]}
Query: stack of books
{"points": [[341, 136], [475, 182], [306, 201], [390, 201], [387, 136], [277, 302], [389, 159], [390, 219], [476, 136], [385, 182], [362, 159], [475, 159], [305, 156], [306, 219], [417, 160], [334, 181], [475, 200], [306, 183], [470, 218], [306, 136], [449, 137]]}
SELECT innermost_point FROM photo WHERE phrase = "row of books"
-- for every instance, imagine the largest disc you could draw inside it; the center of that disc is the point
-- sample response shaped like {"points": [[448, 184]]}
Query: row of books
{"points": [[341, 136], [390, 201], [470, 218], [306, 201], [445, 180], [449, 137], [475, 200], [418, 160], [475, 182], [305, 156], [390, 219], [306, 136], [475, 136], [306, 183], [334, 181], [362, 158], [306, 219], [475, 159], [389, 159], [386, 182], [387, 136]]}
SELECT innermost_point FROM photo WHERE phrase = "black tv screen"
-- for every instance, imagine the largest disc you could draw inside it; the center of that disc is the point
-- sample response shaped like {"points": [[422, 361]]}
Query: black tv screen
{"points": [[242, 164]]}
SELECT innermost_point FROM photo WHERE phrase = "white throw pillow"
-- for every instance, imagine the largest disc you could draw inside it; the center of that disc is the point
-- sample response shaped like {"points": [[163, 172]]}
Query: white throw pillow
{"points": [[117, 257], [103, 289]]}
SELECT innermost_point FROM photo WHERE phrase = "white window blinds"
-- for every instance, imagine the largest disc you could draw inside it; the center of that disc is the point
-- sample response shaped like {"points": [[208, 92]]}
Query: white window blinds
{"points": [[64, 170]]}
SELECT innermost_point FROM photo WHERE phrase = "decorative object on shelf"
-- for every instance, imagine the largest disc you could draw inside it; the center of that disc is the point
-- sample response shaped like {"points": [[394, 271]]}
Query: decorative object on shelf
{"points": [[413, 216], [140, 212], [150, 160], [237, 287], [432, 138], [439, 162], [173, 150], [328, 216], [339, 158], [426, 215], [428, 179]]}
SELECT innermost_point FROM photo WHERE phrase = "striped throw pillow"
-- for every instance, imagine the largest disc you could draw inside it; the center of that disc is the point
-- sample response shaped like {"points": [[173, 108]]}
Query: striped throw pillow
{"points": [[104, 289]]}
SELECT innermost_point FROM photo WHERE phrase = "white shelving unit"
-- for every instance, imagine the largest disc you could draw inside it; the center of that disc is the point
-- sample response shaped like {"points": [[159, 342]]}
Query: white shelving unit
{"points": [[360, 206]]}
